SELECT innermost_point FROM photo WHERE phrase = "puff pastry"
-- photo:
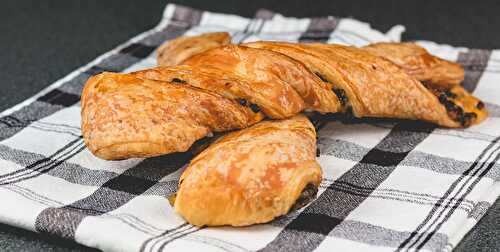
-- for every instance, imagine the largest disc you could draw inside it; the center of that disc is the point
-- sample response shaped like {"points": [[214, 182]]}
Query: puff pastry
{"points": [[220, 87], [252, 175], [268, 168], [124, 116], [372, 86], [275, 99]]}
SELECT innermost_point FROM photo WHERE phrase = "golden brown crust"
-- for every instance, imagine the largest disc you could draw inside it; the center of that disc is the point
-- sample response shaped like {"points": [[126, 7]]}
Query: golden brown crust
{"points": [[460, 105], [417, 62], [271, 68], [173, 52], [225, 88], [125, 117], [373, 86], [250, 176], [276, 100]]}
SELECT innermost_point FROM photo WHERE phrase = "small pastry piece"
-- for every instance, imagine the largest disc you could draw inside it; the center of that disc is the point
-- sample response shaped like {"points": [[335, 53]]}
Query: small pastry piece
{"points": [[251, 176], [371, 86], [265, 66], [125, 117], [417, 62], [173, 52]]}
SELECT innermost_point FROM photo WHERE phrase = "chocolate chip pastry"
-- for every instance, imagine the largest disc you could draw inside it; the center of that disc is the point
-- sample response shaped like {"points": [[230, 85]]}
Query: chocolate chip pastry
{"points": [[213, 86], [251, 176]]}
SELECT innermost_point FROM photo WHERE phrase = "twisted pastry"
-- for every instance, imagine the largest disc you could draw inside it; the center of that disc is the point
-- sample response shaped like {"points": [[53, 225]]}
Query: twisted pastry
{"points": [[372, 86], [274, 79]]}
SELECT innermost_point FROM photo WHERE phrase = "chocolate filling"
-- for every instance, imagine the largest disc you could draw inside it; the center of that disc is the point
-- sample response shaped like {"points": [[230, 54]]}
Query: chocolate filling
{"points": [[177, 80], [254, 107], [307, 195], [242, 102], [454, 111], [480, 105], [448, 93], [340, 93], [322, 77]]}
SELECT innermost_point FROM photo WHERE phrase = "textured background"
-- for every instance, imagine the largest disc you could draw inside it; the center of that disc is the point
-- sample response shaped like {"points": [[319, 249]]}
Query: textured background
{"points": [[41, 41]]}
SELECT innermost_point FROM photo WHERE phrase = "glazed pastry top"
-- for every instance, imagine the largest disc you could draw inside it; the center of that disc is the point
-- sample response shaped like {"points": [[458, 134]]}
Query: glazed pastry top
{"points": [[252, 175]]}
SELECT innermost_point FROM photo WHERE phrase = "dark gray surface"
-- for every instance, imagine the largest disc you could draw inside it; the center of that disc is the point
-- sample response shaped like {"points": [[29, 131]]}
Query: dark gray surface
{"points": [[41, 41]]}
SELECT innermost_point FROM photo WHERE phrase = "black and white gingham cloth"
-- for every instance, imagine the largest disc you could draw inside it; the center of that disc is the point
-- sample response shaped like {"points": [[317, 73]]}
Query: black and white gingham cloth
{"points": [[388, 185]]}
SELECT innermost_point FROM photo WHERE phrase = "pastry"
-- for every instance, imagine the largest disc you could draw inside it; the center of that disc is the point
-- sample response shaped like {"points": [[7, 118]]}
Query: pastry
{"points": [[265, 66], [252, 175], [264, 169], [276, 99], [124, 116], [372, 86], [417, 62]]}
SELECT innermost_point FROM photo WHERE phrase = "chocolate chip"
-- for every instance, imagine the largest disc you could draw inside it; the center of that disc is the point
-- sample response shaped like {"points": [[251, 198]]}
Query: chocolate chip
{"points": [[177, 80], [318, 152], [254, 108], [374, 67], [242, 101], [480, 105], [450, 106], [322, 77], [341, 95], [450, 94]]}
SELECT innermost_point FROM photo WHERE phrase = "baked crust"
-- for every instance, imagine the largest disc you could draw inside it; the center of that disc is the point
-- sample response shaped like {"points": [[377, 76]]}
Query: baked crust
{"points": [[276, 99], [268, 67], [417, 62], [174, 51], [165, 109], [373, 86], [250, 176], [124, 116]]}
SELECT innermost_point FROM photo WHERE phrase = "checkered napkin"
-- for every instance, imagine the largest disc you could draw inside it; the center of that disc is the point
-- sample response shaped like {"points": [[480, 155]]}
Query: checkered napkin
{"points": [[388, 185]]}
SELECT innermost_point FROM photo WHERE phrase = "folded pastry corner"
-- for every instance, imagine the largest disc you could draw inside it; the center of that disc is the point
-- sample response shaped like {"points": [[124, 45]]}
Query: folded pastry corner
{"points": [[417, 62], [251, 176], [174, 51], [124, 116]]}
